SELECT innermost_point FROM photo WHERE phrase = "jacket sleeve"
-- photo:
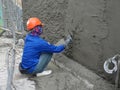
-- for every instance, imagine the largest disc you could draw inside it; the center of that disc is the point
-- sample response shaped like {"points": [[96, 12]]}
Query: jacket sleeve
{"points": [[46, 47]]}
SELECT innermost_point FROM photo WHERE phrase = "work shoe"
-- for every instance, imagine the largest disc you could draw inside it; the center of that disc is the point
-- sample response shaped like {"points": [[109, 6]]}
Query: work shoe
{"points": [[44, 73]]}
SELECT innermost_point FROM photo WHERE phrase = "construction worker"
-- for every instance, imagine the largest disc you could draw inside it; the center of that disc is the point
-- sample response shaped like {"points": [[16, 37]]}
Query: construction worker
{"points": [[37, 52]]}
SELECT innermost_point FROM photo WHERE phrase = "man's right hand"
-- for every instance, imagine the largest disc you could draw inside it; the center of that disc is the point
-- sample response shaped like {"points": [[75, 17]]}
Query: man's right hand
{"points": [[68, 40]]}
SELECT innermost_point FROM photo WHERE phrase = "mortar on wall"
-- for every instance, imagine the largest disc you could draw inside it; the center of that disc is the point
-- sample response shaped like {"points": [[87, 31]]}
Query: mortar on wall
{"points": [[94, 24]]}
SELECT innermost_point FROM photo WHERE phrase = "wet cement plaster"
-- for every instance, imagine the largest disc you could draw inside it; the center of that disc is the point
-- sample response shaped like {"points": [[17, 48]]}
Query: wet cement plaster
{"points": [[94, 24]]}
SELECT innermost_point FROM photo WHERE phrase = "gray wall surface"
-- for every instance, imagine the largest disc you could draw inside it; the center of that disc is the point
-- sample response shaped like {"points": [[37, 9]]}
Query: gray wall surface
{"points": [[94, 23]]}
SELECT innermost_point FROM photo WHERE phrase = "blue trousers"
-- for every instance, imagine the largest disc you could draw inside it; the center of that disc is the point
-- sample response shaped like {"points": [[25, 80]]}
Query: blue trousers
{"points": [[45, 58]]}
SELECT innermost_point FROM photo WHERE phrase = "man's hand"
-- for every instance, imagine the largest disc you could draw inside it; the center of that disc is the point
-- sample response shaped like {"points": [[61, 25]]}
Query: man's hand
{"points": [[68, 40]]}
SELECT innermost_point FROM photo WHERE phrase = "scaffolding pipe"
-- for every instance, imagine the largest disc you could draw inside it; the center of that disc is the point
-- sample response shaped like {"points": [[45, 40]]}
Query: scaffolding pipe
{"points": [[12, 22], [11, 70], [5, 29], [117, 80]]}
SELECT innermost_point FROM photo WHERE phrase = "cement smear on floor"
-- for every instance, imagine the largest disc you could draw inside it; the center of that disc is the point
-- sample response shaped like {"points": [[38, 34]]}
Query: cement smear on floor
{"points": [[94, 24]]}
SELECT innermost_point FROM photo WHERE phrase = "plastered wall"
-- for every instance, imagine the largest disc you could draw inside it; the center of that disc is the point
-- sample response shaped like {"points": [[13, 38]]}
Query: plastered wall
{"points": [[94, 24]]}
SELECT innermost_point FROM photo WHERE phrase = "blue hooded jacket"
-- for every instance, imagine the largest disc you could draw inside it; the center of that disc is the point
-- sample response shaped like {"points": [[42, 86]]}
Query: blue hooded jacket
{"points": [[34, 46]]}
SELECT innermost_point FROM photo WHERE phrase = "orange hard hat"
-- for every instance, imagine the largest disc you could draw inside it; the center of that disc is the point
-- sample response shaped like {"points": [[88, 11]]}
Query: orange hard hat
{"points": [[33, 22]]}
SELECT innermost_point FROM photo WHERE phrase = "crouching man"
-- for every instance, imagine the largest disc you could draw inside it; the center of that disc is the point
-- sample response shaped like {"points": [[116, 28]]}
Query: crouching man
{"points": [[37, 52]]}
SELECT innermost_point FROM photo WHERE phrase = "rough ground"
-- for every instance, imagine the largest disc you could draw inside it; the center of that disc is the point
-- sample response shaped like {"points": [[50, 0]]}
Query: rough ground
{"points": [[67, 74]]}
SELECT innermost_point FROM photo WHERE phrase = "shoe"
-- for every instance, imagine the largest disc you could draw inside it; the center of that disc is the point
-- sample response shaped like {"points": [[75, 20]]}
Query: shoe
{"points": [[44, 73]]}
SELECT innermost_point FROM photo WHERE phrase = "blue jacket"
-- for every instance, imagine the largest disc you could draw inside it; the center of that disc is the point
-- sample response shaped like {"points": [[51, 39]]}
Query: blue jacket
{"points": [[34, 46]]}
